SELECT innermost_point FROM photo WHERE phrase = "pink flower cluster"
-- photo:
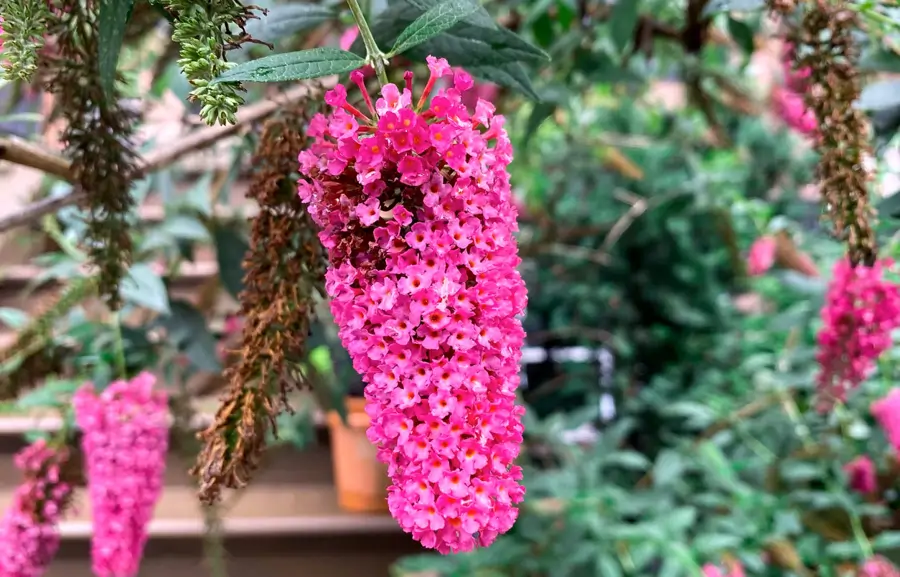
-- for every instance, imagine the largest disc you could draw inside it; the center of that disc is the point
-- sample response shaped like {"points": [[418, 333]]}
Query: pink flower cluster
{"points": [[787, 100], [887, 412], [878, 567], [710, 570], [125, 437], [416, 213], [861, 473], [29, 530], [861, 309], [762, 255]]}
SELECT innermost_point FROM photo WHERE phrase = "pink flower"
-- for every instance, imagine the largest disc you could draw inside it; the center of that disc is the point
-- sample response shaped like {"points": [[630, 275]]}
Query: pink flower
{"points": [[348, 37], [861, 473], [125, 440], [426, 296], [791, 108], [762, 255], [29, 530], [710, 570], [878, 567], [861, 310], [887, 412]]}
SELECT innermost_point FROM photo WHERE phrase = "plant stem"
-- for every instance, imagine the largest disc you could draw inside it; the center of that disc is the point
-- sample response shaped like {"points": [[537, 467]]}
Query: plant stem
{"points": [[373, 53], [121, 365]]}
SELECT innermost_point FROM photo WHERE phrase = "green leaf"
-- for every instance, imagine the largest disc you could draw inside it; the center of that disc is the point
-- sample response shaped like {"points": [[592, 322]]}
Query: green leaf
{"points": [[433, 22], [716, 6], [111, 23], [628, 460], [622, 22], [887, 540], [679, 519], [144, 288], [302, 65], [14, 318], [844, 550], [742, 34], [480, 18], [880, 95], [185, 227], [540, 113], [286, 19], [188, 330], [510, 75], [889, 206], [668, 469], [608, 566], [231, 248], [48, 394]]}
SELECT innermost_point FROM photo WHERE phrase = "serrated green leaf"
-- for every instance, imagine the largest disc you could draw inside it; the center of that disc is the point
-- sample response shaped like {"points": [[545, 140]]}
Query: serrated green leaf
{"points": [[716, 6], [433, 22], [622, 22], [302, 65], [480, 18], [286, 19], [111, 23]]}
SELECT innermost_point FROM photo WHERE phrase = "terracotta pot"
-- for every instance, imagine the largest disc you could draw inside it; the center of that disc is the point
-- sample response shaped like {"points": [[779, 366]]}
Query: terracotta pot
{"points": [[361, 479]]}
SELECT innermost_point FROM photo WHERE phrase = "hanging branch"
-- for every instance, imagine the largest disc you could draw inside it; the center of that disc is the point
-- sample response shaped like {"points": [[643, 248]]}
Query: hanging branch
{"points": [[27, 154]]}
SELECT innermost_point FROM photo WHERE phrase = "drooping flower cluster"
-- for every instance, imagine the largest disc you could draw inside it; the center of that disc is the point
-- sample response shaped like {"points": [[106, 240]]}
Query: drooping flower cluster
{"points": [[788, 100], [125, 440], [29, 530], [861, 475], [417, 216], [887, 412], [861, 309]]}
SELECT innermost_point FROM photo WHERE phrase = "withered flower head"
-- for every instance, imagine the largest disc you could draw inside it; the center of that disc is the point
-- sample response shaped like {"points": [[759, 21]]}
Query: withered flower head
{"points": [[97, 138], [284, 270], [826, 48]]}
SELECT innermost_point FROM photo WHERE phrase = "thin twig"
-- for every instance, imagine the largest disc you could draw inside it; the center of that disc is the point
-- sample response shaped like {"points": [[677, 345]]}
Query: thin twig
{"points": [[21, 152]]}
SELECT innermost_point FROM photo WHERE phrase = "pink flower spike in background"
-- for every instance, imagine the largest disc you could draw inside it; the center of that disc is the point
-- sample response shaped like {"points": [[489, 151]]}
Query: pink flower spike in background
{"points": [[762, 255], [861, 310], [418, 218], [125, 440], [710, 570], [861, 473], [887, 412], [29, 530], [878, 567]]}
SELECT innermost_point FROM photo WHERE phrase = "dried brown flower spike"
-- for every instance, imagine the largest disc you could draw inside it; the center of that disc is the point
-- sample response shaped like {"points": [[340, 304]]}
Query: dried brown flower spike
{"points": [[285, 269], [97, 138], [824, 45]]}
